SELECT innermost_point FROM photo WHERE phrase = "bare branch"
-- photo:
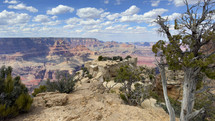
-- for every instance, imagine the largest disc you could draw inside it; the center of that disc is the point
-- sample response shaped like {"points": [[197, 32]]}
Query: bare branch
{"points": [[204, 89], [194, 114], [164, 27]]}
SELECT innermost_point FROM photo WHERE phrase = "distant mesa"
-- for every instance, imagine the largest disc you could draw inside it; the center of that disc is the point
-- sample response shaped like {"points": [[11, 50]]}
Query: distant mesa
{"points": [[142, 44], [146, 44]]}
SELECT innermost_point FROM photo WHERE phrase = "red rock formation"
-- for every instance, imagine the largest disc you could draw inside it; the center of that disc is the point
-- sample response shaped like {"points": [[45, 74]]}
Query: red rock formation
{"points": [[81, 50], [63, 48], [127, 46], [60, 47]]}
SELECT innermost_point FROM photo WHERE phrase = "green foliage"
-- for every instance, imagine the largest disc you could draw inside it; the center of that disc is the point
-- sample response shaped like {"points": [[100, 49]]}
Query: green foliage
{"points": [[205, 100], [24, 102], [127, 57], [127, 76], [64, 83], [117, 58], [89, 76], [139, 94], [85, 70], [155, 95], [42, 88], [122, 96], [175, 104], [176, 27], [100, 58], [14, 97], [106, 58], [176, 58], [160, 101]]}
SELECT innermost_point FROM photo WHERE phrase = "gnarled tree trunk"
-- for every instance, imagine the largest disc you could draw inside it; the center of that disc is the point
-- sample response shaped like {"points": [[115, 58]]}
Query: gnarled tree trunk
{"points": [[168, 104], [189, 89], [170, 109]]}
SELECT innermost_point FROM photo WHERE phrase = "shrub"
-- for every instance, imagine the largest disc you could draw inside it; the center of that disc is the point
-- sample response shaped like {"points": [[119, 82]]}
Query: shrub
{"points": [[100, 58], [106, 58], [89, 76], [127, 57], [117, 58], [14, 97], [85, 70], [128, 76], [205, 100], [64, 83], [175, 104], [42, 88]]}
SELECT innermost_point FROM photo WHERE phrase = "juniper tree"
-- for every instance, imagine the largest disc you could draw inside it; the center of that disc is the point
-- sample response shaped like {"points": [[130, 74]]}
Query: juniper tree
{"points": [[127, 76], [65, 83], [14, 97], [196, 28]]}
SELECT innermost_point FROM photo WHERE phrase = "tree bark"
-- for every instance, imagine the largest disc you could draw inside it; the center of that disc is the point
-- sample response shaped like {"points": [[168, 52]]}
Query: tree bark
{"points": [[164, 85], [189, 89]]}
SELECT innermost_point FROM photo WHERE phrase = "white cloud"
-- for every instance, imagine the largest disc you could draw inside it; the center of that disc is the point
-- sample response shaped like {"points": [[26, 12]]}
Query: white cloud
{"points": [[146, 17], [105, 14], [181, 2], [60, 9], [12, 18], [68, 26], [73, 20], [54, 17], [131, 11], [173, 16], [94, 31], [22, 6], [89, 12], [117, 27], [41, 18], [155, 12], [51, 23], [78, 31], [155, 3], [90, 22], [133, 18], [113, 16], [107, 23], [11, 2]]}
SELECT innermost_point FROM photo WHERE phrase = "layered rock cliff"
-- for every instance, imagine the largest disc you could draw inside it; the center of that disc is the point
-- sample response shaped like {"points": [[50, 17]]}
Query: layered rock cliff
{"points": [[37, 59]]}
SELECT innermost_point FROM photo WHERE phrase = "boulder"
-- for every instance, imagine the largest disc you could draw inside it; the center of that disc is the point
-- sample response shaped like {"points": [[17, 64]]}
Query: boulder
{"points": [[149, 103], [50, 99]]}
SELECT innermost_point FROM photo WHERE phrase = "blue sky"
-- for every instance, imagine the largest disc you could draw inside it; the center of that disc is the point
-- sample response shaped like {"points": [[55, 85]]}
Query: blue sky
{"points": [[107, 20]]}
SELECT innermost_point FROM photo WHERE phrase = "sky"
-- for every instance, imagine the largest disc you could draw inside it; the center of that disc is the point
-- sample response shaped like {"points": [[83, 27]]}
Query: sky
{"points": [[106, 20]]}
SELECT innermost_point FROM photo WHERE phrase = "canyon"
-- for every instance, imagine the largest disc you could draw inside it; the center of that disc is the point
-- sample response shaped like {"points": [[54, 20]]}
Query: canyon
{"points": [[39, 59]]}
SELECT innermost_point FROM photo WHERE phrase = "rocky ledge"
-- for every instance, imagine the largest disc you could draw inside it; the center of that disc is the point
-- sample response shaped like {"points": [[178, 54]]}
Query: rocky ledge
{"points": [[89, 103]]}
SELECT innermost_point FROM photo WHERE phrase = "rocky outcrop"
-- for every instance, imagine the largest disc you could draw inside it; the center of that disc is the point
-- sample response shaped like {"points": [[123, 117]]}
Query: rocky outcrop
{"points": [[107, 70], [50, 99], [89, 103], [174, 83]]}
